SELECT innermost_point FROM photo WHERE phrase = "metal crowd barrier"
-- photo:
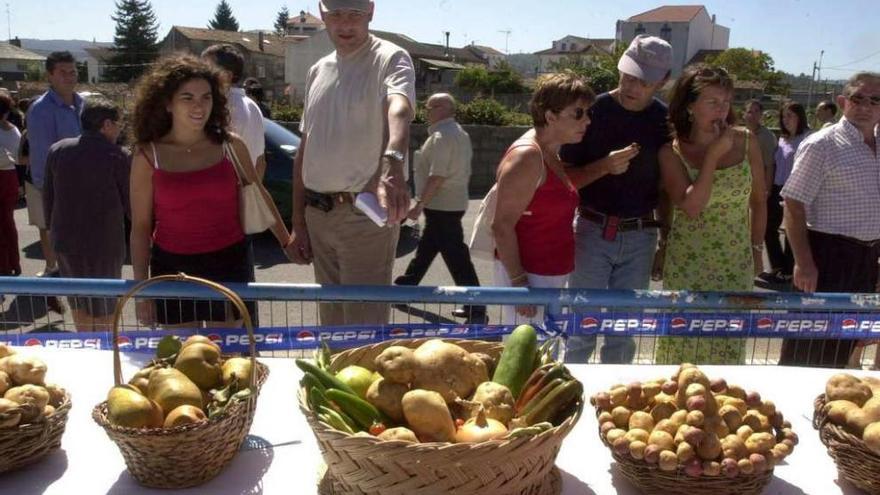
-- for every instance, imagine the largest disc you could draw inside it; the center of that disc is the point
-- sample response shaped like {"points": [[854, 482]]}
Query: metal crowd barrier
{"points": [[288, 316]]}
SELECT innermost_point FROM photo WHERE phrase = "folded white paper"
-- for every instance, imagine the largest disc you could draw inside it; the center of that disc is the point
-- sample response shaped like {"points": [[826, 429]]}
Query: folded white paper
{"points": [[368, 203]]}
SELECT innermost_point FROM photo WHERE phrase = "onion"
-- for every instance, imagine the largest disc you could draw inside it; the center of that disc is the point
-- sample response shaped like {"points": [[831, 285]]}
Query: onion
{"points": [[480, 429]]}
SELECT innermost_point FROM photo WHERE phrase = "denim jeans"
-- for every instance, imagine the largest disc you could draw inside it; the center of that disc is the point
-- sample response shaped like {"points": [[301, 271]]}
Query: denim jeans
{"points": [[624, 263]]}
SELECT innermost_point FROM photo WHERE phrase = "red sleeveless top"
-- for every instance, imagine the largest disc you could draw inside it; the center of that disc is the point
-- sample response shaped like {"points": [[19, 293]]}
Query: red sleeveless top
{"points": [[544, 232], [196, 212]]}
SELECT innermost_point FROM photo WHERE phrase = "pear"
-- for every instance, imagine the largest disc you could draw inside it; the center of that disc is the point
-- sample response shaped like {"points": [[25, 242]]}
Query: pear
{"points": [[184, 415], [199, 339], [170, 389], [200, 363], [141, 383], [240, 367], [127, 407]]}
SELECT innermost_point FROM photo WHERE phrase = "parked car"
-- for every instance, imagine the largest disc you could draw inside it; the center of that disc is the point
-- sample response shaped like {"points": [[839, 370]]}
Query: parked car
{"points": [[281, 147]]}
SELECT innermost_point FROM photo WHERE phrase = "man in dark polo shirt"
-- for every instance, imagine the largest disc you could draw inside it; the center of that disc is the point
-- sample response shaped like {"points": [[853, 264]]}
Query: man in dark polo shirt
{"points": [[616, 168], [86, 200]]}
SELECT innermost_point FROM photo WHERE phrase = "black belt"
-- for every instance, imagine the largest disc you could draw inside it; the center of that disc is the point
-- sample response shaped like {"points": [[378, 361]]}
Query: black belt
{"points": [[623, 224], [326, 201], [851, 240]]}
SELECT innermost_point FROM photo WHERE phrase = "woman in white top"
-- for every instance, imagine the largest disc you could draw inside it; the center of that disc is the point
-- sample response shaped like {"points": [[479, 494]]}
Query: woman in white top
{"points": [[9, 139]]}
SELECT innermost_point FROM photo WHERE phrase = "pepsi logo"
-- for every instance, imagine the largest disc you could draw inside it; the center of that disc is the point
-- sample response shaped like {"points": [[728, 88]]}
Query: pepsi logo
{"points": [[33, 342], [589, 322], [215, 338], [398, 333], [123, 341], [678, 323], [849, 324], [305, 336], [764, 324]]}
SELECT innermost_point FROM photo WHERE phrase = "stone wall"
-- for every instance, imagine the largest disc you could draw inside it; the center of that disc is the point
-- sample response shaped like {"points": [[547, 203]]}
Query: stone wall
{"points": [[489, 143]]}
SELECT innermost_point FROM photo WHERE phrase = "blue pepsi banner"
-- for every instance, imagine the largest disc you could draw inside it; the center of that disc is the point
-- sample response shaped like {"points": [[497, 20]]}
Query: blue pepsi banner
{"points": [[696, 324]]}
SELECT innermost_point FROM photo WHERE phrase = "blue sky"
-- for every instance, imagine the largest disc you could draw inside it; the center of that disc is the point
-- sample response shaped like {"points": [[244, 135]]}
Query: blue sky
{"points": [[792, 31]]}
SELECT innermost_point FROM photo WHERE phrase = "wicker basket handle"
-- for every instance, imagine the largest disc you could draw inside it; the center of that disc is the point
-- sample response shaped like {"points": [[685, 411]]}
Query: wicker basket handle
{"points": [[182, 277]]}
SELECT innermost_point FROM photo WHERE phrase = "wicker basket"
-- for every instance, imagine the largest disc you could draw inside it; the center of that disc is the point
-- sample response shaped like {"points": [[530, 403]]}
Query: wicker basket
{"points": [[29, 443], [855, 462], [651, 480], [192, 454], [367, 465]]}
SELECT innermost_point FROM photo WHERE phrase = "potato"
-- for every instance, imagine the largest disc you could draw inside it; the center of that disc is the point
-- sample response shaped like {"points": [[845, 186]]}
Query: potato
{"points": [[871, 436], [856, 421], [56, 394], [767, 408], [711, 468], [744, 432], [387, 397], [641, 420], [872, 408], [5, 382], [844, 386], [745, 466], [679, 417], [5, 351], [26, 370], [34, 399], [836, 410], [396, 364], [604, 417], [731, 416], [10, 413], [737, 392], [695, 389], [651, 390], [662, 439], [428, 416], [637, 435], [620, 415], [618, 396], [687, 377], [760, 443], [400, 434], [488, 360], [637, 449], [734, 447], [667, 426], [685, 452], [497, 401], [614, 434], [739, 404], [695, 418], [668, 461], [448, 370]]}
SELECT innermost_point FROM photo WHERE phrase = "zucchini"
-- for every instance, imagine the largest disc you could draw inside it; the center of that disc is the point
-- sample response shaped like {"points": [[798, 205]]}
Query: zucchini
{"points": [[517, 360], [362, 412], [325, 377]]}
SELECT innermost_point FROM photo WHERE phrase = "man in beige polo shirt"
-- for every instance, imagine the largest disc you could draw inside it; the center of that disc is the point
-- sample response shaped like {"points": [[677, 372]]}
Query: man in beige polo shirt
{"points": [[355, 131], [442, 172]]}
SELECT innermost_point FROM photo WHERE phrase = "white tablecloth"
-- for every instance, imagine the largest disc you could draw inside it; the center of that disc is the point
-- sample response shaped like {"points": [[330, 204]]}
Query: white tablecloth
{"points": [[281, 455]]}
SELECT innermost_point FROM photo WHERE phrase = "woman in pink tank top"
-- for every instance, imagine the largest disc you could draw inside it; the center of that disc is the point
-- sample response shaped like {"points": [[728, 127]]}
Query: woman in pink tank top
{"points": [[185, 189], [536, 201]]}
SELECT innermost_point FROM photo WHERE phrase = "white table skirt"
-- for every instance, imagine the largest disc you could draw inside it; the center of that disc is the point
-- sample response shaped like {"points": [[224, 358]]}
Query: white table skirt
{"points": [[281, 455]]}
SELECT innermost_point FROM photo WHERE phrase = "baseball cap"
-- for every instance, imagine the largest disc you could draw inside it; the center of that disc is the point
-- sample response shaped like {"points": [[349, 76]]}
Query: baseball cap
{"points": [[328, 5], [648, 58]]}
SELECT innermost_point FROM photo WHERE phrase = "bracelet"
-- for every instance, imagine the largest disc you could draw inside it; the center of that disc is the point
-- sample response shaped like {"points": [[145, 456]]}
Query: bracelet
{"points": [[758, 247], [521, 276]]}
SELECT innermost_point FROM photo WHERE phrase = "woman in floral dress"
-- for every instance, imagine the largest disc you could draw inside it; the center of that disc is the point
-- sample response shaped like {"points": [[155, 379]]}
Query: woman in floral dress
{"points": [[713, 173]]}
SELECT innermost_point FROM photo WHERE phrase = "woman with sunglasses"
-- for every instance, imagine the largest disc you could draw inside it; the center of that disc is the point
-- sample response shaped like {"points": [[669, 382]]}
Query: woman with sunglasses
{"points": [[536, 201], [714, 175]]}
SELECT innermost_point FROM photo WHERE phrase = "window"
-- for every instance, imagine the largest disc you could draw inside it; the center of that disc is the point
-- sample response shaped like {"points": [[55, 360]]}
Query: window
{"points": [[564, 46], [640, 29], [666, 32], [261, 71]]}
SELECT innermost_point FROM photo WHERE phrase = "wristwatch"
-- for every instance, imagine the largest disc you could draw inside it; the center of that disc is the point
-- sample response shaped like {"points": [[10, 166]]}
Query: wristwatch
{"points": [[395, 155]]}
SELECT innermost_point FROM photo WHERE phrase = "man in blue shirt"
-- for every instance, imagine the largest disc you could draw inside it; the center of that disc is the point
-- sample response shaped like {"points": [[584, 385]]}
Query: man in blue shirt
{"points": [[52, 117], [617, 170]]}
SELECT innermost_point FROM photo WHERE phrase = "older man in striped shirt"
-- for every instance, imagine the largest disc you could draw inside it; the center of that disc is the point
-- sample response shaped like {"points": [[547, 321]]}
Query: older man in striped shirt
{"points": [[832, 202]]}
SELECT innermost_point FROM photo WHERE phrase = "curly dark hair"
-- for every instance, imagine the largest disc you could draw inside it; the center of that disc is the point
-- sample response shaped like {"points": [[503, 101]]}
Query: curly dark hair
{"points": [[156, 88]]}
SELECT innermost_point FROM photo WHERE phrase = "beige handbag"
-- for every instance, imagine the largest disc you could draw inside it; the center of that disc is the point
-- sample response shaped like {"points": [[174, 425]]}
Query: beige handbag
{"points": [[256, 214]]}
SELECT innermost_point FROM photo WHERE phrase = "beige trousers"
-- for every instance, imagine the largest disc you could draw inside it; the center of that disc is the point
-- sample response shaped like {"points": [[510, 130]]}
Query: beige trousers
{"points": [[349, 249]]}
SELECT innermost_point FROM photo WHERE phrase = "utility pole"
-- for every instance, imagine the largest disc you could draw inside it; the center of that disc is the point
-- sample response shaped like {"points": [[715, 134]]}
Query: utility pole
{"points": [[816, 67], [506, 33]]}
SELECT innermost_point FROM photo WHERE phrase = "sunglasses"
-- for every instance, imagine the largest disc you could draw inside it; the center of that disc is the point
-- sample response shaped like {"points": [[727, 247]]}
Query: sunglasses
{"points": [[858, 99]]}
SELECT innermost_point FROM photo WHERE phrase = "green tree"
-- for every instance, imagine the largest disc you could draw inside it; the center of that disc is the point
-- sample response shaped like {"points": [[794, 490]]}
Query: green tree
{"points": [[223, 19], [751, 65], [503, 79], [135, 40], [281, 21], [600, 68]]}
